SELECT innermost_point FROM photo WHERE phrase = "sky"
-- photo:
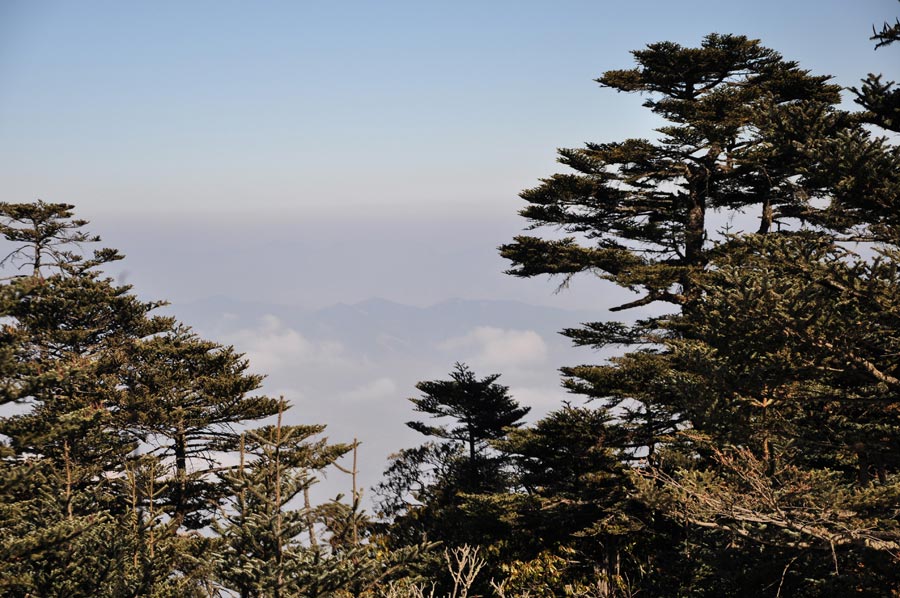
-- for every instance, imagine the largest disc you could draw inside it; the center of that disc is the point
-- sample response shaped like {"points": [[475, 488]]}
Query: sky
{"points": [[317, 152], [295, 109], [275, 157]]}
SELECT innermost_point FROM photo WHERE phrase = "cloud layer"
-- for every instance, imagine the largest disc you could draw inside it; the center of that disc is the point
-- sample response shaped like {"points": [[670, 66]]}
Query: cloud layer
{"points": [[382, 388], [271, 346], [497, 348]]}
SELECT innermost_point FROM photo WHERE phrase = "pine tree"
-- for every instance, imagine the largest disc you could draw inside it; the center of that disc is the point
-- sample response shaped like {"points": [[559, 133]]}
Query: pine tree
{"points": [[263, 553], [67, 329], [184, 397], [483, 411], [642, 206], [761, 412]]}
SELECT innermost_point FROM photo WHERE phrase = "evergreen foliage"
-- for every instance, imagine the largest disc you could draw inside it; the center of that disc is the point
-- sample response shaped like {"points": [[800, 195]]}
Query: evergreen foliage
{"points": [[113, 454], [483, 411], [881, 100], [573, 505], [69, 331], [263, 554], [642, 206], [759, 418], [185, 396], [431, 493]]}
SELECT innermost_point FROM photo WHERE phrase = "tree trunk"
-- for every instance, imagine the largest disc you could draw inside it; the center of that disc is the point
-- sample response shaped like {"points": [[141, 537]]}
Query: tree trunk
{"points": [[180, 474]]}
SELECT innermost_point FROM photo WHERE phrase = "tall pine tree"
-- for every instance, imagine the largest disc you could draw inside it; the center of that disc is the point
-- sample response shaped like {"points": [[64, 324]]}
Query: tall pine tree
{"points": [[778, 340]]}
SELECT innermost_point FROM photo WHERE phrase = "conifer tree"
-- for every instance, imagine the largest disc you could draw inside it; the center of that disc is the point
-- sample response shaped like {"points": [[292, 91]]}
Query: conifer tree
{"points": [[881, 99], [641, 206], [784, 375], [184, 397], [429, 493], [575, 497], [45, 235], [742, 125], [748, 130], [761, 411], [793, 344], [89, 368], [68, 328], [483, 411], [66, 520], [416, 476], [263, 553]]}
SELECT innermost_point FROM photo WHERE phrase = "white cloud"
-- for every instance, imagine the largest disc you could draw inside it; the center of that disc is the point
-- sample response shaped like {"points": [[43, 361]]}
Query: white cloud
{"points": [[271, 347], [498, 348], [543, 399], [371, 391]]}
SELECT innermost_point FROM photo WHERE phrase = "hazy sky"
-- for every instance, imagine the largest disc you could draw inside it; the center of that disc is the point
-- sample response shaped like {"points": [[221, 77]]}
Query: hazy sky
{"points": [[297, 108], [315, 152]]}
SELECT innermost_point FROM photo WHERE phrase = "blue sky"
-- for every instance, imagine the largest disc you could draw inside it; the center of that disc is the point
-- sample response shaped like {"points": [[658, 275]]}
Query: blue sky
{"points": [[301, 108]]}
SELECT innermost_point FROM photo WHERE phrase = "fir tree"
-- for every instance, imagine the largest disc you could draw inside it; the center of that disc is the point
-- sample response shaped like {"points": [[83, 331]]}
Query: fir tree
{"points": [[65, 519], [881, 99], [95, 376], [184, 397], [760, 412], [482, 410], [787, 385], [263, 553], [642, 206], [575, 500], [431, 492], [44, 233]]}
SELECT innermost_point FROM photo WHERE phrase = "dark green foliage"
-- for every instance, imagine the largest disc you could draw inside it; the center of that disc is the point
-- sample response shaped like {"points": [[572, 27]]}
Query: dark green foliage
{"points": [[575, 497], [786, 410], [483, 411], [436, 492], [67, 334], [263, 555], [566, 457], [424, 487], [881, 99], [122, 422], [760, 416], [67, 516], [415, 476], [184, 397], [641, 206]]}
